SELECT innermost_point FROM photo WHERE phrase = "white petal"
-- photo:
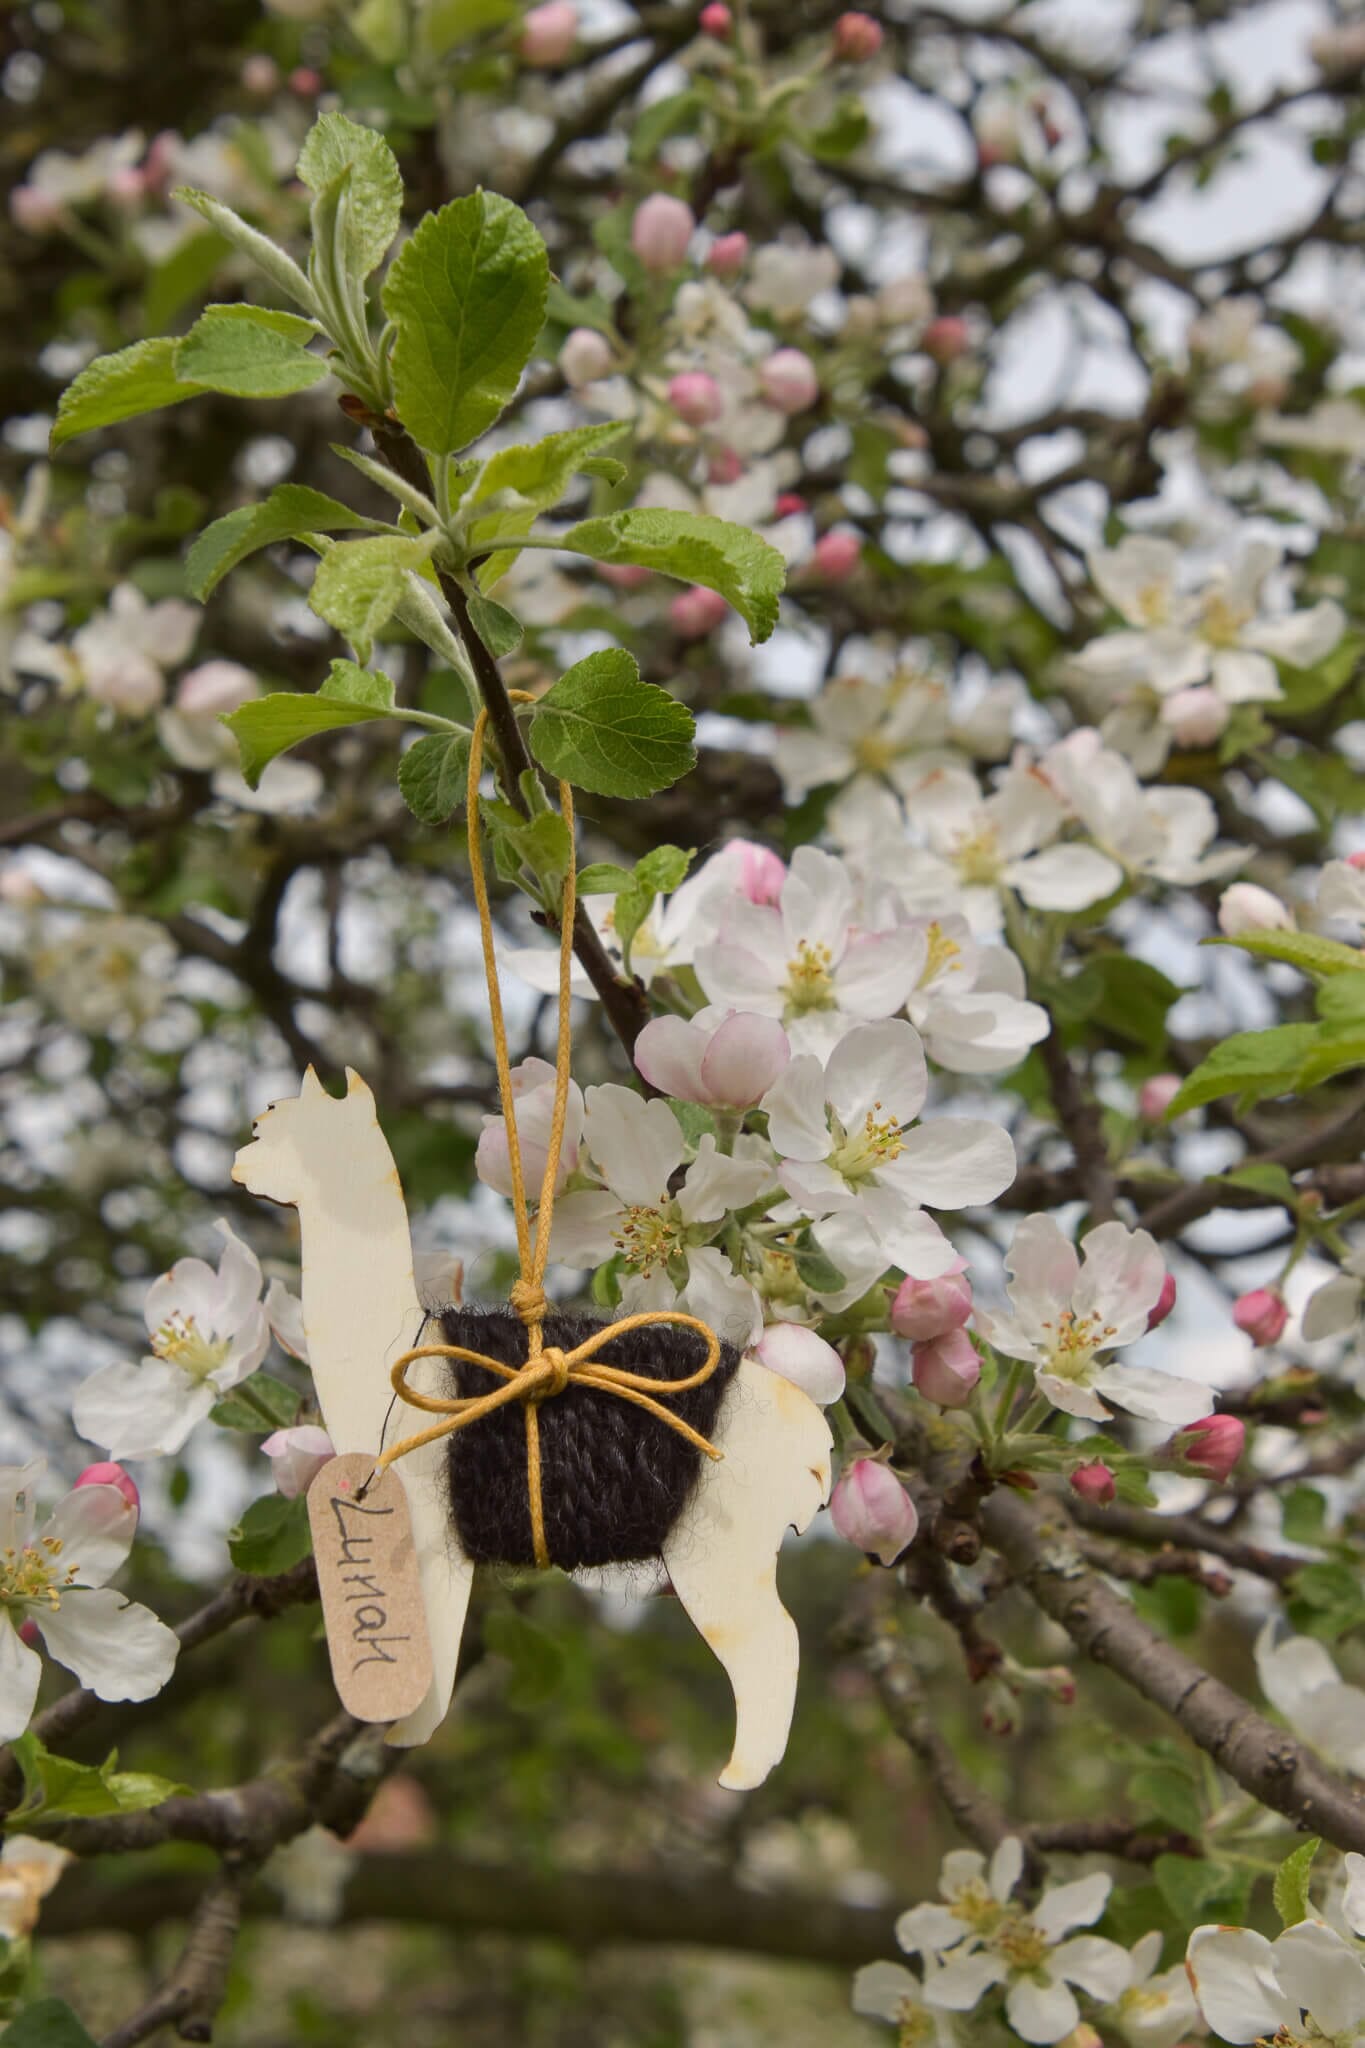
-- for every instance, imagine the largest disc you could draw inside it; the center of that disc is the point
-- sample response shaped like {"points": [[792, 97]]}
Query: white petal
{"points": [[816, 1188], [1041, 2012], [1232, 1973], [955, 1162], [817, 901], [799, 1355], [284, 1313], [1100, 1967], [877, 1068], [637, 1144], [929, 1929], [20, 1671], [1317, 1969], [95, 1526], [1291, 1669], [721, 1298], [798, 1124], [116, 1648], [962, 1982], [1071, 1397], [1137, 577], [191, 1288], [239, 1279], [1156, 1396], [1121, 1278], [668, 1052], [881, 1989], [19, 1502], [1072, 1905], [1243, 677], [1064, 877], [1353, 1905], [745, 1055], [583, 1225], [246, 1348], [140, 1411], [1043, 1266], [1007, 1867], [1301, 638], [878, 972], [1332, 1308], [909, 1238], [715, 1183]]}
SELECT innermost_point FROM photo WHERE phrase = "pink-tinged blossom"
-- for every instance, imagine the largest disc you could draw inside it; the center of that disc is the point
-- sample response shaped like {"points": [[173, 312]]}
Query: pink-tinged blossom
{"points": [[305, 82], [1210, 1447], [836, 555], [1068, 1315], [209, 1331], [696, 612], [789, 504], [923, 1309], [1197, 717], [724, 466], [726, 1064], [946, 1369], [1261, 1314], [296, 1457], [808, 960], [716, 20], [54, 1582], [107, 1473], [586, 356], [260, 74], [533, 1090], [625, 575], [872, 1510], [1094, 1482], [1156, 1095], [797, 1354], [1164, 1303], [728, 254], [1247, 908], [788, 380], [548, 34], [946, 338], [853, 1163], [695, 397], [857, 38], [661, 232]]}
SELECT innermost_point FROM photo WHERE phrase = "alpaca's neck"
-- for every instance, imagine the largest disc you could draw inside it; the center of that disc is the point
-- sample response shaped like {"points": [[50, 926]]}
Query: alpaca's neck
{"points": [[360, 1303]]}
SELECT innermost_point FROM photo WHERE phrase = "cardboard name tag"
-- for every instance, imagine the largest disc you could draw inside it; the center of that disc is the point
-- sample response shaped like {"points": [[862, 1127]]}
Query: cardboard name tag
{"points": [[371, 1593]]}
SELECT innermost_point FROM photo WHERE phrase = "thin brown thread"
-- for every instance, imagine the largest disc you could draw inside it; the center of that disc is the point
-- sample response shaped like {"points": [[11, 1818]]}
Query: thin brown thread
{"points": [[548, 1370]]}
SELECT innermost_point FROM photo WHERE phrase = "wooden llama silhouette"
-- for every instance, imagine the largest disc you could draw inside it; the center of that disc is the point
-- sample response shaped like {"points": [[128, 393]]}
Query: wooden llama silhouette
{"points": [[328, 1157]]}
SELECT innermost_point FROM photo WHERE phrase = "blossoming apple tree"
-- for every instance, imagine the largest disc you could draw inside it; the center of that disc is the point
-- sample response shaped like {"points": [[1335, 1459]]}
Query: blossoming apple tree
{"points": [[904, 472]]}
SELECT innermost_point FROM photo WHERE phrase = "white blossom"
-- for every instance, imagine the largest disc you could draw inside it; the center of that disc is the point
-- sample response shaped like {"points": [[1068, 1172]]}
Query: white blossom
{"points": [[1156, 2008], [1300, 1680], [969, 1004], [1308, 1982]]}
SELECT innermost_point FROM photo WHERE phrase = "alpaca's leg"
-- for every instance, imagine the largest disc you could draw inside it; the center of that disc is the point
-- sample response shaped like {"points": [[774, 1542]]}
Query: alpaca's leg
{"points": [[722, 1557]]}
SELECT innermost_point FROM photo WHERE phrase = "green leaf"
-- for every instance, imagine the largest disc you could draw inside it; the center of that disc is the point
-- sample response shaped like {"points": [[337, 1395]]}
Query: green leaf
{"points": [[47, 2023], [539, 473], [466, 294], [359, 582], [603, 878], [1327, 1600], [603, 729], [1341, 1001], [499, 629], [183, 279], [540, 843], [249, 352], [1304, 950], [270, 725], [664, 867], [235, 1411], [135, 380], [265, 254], [348, 683], [272, 1535], [374, 193], [1303, 1515], [537, 1659], [1250, 1063], [1291, 1882], [846, 130], [55, 1788], [290, 512], [447, 22], [1170, 1795], [1263, 1179], [1333, 1054], [696, 548], [1189, 1884], [679, 113], [433, 776]]}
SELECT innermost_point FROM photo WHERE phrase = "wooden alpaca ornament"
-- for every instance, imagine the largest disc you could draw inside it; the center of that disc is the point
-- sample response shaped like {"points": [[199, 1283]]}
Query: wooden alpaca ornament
{"points": [[329, 1158]]}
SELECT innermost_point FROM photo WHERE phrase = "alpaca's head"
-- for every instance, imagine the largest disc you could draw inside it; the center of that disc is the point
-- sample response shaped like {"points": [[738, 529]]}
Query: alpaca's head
{"points": [[308, 1140]]}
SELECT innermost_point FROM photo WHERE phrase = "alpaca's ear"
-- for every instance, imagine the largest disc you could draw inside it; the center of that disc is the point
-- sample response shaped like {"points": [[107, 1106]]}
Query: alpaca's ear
{"points": [[355, 1086], [311, 1084]]}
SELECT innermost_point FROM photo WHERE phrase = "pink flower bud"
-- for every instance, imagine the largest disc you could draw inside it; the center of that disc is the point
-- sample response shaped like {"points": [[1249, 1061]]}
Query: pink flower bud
{"points": [[788, 380], [297, 1456], [1163, 1304], [260, 74], [857, 37], [1355, 860], [1211, 1446], [106, 1473], [28, 1633], [1246, 908], [586, 356], [1196, 717], [695, 397], [728, 254], [213, 688], [872, 1510], [1262, 1314], [696, 612], [1094, 1483], [1156, 1095], [127, 188], [548, 34], [946, 1369], [625, 575], [724, 467], [304, 82], [788, 504], [661, 232], [837, 555], [34, 210], [798, 1355], [730, 1067], [947, 338], [716, 20], [761, 871], [930, 1308]]}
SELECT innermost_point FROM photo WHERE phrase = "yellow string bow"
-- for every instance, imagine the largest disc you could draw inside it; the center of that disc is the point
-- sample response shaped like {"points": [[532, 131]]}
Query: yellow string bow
{"points": [[547, 1370]]}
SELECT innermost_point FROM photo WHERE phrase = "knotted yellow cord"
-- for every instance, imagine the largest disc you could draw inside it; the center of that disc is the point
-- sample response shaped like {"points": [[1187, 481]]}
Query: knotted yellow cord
{"points": [[548, 1370]]}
